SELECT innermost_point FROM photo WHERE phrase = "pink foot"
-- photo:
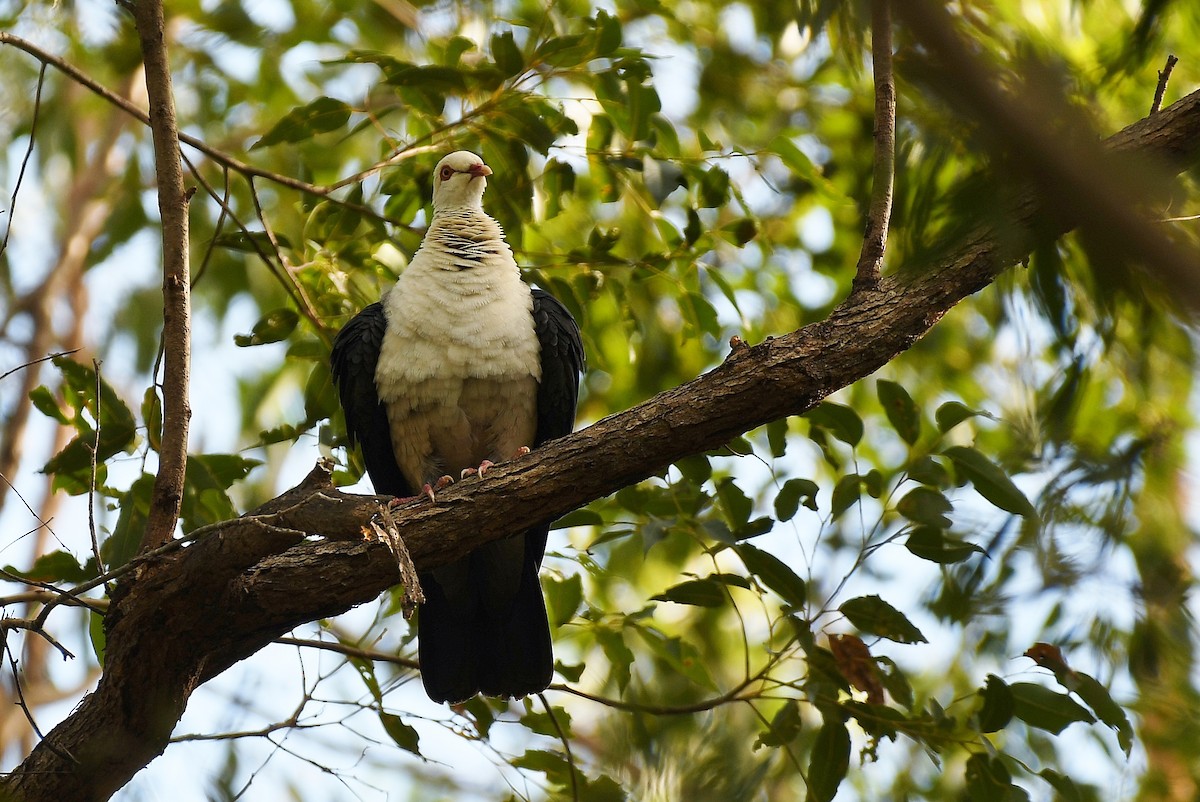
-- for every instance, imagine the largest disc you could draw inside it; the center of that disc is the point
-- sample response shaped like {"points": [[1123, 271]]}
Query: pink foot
{"points": [[430, 491], [480, 471]]}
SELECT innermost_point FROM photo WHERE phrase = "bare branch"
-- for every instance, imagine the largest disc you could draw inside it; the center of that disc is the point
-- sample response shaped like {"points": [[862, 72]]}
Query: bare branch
{"points": [[1164, 75], [173, 209], [37, 107], [883, 176]]}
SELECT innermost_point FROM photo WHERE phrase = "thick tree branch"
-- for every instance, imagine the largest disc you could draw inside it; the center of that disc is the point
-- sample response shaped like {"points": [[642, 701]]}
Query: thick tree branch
{"points": [[177, 335], [193, 612]]}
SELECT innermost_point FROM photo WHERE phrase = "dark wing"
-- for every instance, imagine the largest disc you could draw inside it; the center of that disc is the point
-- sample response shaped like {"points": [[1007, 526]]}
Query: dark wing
{"points": [[353, 359], [562, 364]]}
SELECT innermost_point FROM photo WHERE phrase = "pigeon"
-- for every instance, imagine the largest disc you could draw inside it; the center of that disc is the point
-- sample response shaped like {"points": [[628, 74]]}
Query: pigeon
{"points": [[460, 365]]}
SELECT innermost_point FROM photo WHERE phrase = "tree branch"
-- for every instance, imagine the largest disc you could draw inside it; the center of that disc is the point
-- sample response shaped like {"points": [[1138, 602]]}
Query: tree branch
{"points": [[192, 613], [177, 336], [883, 175]]}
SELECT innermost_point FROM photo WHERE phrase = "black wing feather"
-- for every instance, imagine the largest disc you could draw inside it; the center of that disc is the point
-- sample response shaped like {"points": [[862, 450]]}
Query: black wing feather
{"points": [[562, 364], [353, 359]]}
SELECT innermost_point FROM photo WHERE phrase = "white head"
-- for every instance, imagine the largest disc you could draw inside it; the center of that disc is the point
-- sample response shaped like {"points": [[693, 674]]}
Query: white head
{"points": [[459, 180]]}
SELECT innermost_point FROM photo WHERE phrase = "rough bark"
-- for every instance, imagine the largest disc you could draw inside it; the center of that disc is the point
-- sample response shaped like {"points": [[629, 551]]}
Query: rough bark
{"points": [[183, 618]]}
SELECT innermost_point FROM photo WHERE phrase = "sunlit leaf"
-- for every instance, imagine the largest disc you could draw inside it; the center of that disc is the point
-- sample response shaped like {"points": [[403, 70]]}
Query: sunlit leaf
{"points": [[563, 598]]}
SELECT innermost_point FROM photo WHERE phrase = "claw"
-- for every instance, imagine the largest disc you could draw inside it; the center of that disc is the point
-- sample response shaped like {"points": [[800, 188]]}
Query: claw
{"points": [[480, 471], [522, 451], [430, 491]]}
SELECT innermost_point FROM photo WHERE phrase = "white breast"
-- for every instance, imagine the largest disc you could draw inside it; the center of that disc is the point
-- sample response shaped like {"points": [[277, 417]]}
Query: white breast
{"points": [[460, 361]]}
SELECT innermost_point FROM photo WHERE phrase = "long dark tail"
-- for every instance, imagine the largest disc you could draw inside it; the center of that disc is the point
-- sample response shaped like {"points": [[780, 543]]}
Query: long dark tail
{"points": [[483, 627]]}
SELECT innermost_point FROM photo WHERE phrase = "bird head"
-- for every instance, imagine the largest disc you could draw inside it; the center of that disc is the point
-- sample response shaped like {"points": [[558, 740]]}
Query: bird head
{"points": [[459, 180]]}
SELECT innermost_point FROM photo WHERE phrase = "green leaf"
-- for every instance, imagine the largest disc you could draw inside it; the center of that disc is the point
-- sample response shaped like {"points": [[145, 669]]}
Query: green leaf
{"points": [[618, 653], [874, 616], [952, 413], [1097, 697], [45, 403], [152, 415], [121, 546], [1046, 709], [552, 764], [901, 411], [303, 122], [220, 471], [601, 789], [696, 592], [928, 471], [829, 761], [846, 493], [563, 598], [839, 420], [774, 573], [734, 503], [784, 726], [506, 54], [933, 544], [270, 328], [1064, 786], [988, 780], [793, 157], [790, 496], [696, 469], [56, 566], [543, 723], [405, 735], [991, 482], [876, 720], [924, 505], [608, 33], [97, 635], [714, 188], [72, 466], [581, 517], [998, 705]]}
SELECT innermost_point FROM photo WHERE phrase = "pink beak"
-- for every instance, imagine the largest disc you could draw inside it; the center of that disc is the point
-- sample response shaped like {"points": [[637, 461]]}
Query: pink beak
{"points": [[479, 170]]}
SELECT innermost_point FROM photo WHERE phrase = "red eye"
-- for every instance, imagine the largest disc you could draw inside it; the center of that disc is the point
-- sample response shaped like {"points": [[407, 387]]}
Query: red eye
{"points": [[447, 172]]}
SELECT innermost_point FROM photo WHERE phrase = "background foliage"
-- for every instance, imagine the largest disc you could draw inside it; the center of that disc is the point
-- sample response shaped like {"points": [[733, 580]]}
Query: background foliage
{"points": [[841, 603]]}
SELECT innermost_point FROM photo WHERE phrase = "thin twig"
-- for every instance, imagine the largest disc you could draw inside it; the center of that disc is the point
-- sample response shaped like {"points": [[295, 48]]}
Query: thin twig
{"points": [[351, 651], [31, 625], [870, 259], [92, 488], [1164, 75], [566, 742], [37, 107], [31, 362]]}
